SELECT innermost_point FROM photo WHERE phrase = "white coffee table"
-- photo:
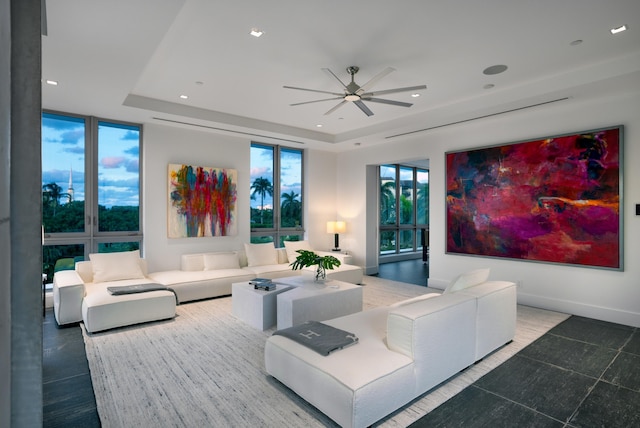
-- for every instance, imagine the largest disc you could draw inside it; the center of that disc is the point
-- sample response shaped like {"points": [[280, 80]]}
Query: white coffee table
{"points": [[255, 307], [308, 300]]}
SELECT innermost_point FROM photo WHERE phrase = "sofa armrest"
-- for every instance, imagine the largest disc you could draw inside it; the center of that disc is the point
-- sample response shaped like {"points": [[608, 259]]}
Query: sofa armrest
{"points": [[68, 292]]}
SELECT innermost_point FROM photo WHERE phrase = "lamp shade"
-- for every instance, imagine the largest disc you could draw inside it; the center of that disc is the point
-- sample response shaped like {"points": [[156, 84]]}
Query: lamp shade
{"points": [[336, 227]]}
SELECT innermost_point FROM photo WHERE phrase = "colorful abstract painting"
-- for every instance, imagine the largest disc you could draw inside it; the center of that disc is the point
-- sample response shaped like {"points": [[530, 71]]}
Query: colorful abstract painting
{"points": [[553, 200], [202, 201]]}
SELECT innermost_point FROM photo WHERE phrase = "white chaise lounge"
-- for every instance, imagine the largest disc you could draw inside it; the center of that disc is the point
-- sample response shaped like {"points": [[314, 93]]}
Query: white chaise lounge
{"points": [[82, 295], [404, 350]]}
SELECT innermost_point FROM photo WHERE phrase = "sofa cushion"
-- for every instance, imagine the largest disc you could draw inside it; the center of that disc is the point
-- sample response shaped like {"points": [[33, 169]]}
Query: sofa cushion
{"points": [[292, 248], [261, 254], [214, 261], [116, 266], [467, 280]]}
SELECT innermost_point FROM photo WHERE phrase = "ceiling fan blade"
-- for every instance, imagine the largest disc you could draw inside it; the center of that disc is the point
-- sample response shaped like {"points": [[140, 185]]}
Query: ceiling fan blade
{"points": [[314, 90], [336, 107], [316, 101], [393, 91], [375, 79], [326, 70], [393, 103], [363, 107]]}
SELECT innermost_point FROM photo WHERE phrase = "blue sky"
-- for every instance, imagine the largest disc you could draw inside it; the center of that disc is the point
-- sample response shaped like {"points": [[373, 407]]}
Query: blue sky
{"points": [[63, 148], [262, 166], [63, 151]]}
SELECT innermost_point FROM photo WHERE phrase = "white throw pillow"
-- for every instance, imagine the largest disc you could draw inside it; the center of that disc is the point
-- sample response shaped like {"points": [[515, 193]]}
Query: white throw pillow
{"points": [[116, 266], [467, 280], [213, 261], [261, 254], [293, 246]]}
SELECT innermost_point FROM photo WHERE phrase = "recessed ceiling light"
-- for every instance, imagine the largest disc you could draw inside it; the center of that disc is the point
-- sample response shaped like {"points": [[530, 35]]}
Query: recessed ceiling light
{"points": [[619, 29], [184, 97], [256, 33], [576, 42], [199, 83], [489, 86], [319, 125], [495, 69], [52, 82], [415, 95]]}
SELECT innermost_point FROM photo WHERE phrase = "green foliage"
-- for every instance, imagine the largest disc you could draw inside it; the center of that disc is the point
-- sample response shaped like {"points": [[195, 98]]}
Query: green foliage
{"points": [[119, 218], [309, 258]]}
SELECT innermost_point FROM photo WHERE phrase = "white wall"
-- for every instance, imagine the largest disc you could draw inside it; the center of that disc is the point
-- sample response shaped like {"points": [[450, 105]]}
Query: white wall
{"points": [[336, 188], [597, 293], [164, 145]]}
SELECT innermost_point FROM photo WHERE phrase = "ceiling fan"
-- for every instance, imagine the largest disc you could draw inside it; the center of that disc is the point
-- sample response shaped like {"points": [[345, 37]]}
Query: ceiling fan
{"points": [[357, 94]]}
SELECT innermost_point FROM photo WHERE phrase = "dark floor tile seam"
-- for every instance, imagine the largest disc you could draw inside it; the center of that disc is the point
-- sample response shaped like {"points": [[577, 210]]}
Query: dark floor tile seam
{"points": [[519, 404], [564, 368], [573, 339], [600, 379]]}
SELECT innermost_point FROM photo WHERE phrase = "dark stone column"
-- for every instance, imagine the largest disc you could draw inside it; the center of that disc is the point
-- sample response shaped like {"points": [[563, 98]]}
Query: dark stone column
{"points": [[23, 262]]}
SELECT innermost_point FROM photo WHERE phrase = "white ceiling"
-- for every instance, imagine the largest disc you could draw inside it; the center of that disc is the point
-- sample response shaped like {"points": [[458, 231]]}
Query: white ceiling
{"points": [[132, 59]]}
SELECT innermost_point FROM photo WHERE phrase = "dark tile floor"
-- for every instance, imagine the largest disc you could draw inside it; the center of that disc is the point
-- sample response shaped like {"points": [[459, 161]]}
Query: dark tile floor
{"points": [[68, 399], [582, 373], [410, 271]]}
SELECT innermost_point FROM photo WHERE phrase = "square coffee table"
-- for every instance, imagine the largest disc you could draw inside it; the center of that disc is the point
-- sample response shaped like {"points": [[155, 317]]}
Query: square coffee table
{"points": [[255, 307], [308, 300]]}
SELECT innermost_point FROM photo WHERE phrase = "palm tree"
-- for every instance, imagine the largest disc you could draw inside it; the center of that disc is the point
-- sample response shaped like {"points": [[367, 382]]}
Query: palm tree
{"points": [[290, 208], [51, 194], [422, 201], [261, 186], [388, 203]]}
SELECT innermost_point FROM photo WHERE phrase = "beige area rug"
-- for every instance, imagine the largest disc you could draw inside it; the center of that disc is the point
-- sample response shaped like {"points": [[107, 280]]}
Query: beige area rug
{"points": [[206, 368]]}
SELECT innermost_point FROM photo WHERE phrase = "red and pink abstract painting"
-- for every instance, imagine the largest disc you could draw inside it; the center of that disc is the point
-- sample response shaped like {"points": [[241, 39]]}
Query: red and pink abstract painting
{"points": [[553, 200], [202, 201]]}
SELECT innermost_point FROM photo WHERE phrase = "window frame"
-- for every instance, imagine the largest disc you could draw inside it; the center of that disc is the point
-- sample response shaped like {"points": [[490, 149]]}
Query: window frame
{"points": [[398, 228], [91, 237], [278, 234]]}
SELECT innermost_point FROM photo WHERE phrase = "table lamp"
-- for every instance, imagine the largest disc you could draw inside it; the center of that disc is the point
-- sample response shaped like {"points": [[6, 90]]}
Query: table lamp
{"points": [[336, 227]]}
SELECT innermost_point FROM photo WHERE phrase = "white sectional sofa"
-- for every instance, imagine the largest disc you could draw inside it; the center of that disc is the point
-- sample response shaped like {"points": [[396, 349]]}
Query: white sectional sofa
{"points": [[206, 275], [404, 350], [81, 295]]}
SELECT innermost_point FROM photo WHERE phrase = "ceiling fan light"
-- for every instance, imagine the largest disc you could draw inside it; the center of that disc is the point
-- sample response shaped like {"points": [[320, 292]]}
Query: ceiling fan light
{"points": [[352, 97]]}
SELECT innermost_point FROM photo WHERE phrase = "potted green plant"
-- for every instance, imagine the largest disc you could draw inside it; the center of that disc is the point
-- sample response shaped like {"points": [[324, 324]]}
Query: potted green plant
{"points": [[309, 258]]}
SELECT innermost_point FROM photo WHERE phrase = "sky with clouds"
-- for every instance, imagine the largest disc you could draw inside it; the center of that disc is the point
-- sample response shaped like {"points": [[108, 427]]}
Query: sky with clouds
{"points": [[290, 171], [63, 151]]}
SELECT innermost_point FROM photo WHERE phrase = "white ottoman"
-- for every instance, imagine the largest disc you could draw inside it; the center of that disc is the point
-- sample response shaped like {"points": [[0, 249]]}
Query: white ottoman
{"points": [[103, 311]]}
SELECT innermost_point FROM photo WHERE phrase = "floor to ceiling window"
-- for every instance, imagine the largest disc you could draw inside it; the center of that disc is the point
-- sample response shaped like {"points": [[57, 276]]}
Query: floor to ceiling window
{"points": [[404, 210], [276, 175], [90, 188]]}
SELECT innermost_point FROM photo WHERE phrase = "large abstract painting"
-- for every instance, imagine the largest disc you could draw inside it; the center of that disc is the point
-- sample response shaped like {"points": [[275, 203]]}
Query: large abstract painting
{"points": [[553, 200], [202, 201]]}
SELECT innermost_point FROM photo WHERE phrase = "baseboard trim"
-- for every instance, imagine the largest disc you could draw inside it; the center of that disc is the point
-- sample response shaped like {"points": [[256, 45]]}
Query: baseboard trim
{"points": [[581, 309]]}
